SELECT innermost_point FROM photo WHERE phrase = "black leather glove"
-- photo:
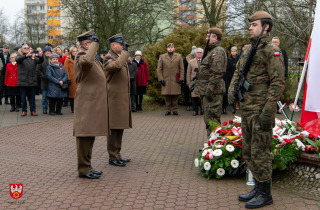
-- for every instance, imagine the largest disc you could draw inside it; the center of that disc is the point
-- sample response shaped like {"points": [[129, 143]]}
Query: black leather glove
{"points": [[180, 81], [69, 82], [265, 121], [194, 78], [163, 83], [125, 46], [94, 38], [208, 95]]}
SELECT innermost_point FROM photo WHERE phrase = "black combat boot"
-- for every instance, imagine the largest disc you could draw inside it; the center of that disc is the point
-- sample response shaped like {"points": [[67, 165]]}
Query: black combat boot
{"points": [[250, 195], [262, 198]]}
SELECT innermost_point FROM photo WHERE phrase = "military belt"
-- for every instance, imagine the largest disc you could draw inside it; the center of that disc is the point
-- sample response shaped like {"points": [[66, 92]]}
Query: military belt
{"points": [[203, 77], [259, 87]]}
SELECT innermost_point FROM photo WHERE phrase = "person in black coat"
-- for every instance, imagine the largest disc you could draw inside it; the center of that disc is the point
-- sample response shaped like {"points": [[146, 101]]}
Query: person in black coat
{"points": [[184, 87], [27, 77], [227, 80], [133, 70], [244, 44], [41, 71], [5, 59], [276, 41]]}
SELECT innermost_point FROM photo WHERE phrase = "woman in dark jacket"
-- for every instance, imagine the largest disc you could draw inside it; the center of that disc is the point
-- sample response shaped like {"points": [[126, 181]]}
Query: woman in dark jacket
{"points": [[227, 80], [56, 75], [142, 79], [184, 87], [11, 80], [133, 70]]}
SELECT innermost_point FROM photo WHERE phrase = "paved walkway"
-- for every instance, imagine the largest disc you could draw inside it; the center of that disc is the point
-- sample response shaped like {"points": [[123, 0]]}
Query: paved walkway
{"points": [[161, 175]]}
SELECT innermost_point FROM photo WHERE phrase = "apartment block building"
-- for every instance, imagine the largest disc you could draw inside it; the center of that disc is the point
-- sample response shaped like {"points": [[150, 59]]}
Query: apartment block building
{"points": [[190, 12], [43, 22]]}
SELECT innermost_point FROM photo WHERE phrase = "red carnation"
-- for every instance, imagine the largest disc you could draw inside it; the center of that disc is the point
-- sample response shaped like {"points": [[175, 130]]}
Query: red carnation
{"points": [[225, 123], [231, 122], [237, 124], [298, 124], [207, 156]]}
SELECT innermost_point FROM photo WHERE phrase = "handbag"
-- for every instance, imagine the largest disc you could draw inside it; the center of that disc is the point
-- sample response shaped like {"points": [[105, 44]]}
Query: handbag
{"points": [[65, 85]]}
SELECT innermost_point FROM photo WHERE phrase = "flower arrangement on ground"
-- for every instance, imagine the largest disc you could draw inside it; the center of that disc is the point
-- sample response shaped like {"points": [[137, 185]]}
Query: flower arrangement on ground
{"points": [[223, 151]]}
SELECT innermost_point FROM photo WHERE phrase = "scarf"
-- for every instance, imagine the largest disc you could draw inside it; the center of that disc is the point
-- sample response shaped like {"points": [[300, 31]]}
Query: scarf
{"points": [[73, 57]]}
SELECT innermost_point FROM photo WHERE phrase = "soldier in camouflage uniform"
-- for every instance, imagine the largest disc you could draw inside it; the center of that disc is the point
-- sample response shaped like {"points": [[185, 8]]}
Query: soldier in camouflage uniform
{"points": [[210, 85], [266, 76]]}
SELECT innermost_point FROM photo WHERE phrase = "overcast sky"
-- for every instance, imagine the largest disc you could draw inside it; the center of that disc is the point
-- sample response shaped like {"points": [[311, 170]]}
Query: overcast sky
{"points": [[11, 8]]}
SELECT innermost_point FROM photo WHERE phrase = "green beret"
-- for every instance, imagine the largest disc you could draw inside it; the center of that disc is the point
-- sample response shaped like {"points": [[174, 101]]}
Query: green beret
{"points": [[259, 15], [215, 30]]}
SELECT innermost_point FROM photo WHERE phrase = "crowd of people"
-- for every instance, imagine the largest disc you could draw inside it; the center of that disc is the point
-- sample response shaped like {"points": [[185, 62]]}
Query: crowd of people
{"points": [[50, 72]]}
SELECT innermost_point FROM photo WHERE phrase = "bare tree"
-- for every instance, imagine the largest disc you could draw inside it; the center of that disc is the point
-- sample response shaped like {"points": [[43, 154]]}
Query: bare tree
{"points": [[3, 27], [140, 21], [292, 18], [35, 28], [17, 30]]}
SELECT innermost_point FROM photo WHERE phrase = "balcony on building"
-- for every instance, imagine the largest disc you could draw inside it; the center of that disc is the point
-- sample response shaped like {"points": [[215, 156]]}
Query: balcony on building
{"points": [[35, 2], [36, 12]]}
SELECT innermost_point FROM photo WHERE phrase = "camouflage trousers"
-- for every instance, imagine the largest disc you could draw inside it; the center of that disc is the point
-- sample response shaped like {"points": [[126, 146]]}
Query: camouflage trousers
{"points": [[211, 110], [256, 146]]}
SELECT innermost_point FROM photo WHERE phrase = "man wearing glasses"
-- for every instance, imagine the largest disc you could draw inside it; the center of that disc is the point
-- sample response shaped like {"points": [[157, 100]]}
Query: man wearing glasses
{"points": [[27, 77], [193, 64]]}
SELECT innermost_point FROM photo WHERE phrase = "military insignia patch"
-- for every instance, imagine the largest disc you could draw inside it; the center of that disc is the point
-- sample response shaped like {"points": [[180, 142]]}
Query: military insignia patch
{"points": [[109, 60], [213, 54], [277, 54]]}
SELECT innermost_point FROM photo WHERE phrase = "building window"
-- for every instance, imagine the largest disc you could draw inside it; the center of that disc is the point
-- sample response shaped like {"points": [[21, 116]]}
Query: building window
{"points": [[200, 4], [200, 13], [49, 7], [208, 4], [50, 18], [32, 18], [43, 17], [49, 27], [43, 28], [34, 38], [57, 17], [57, 27], [32, 8], [56, 7], [58, 37], [50, 37], [42, 8]]}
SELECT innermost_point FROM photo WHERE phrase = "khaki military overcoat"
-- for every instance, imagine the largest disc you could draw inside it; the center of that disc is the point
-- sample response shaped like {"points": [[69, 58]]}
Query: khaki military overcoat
{"points": [[118, 79], [91, 99], [193, 63], [167, 71]]}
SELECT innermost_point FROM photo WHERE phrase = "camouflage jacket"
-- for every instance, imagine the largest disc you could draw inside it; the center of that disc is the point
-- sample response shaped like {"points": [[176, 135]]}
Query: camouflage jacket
{"points": [[266, 76], [212, 68]]}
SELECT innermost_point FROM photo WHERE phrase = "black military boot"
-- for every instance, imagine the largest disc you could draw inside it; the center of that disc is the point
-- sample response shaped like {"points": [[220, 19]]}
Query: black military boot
{"points": [[250, 195], [262, 198]]}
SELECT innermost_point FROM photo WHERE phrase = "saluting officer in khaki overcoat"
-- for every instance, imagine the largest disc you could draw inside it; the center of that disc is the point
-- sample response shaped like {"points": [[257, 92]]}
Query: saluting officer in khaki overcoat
{"points": [[118, 80], [171, 74], [90, 103]]}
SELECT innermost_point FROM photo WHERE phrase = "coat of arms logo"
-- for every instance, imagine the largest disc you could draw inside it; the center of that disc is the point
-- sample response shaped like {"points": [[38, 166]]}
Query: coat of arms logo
{"points": [[16, 190]]}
